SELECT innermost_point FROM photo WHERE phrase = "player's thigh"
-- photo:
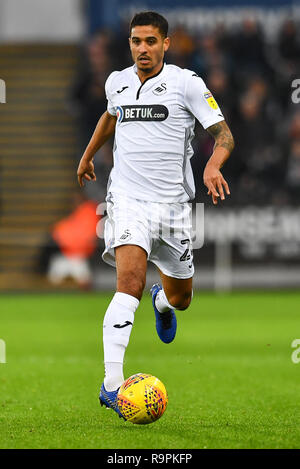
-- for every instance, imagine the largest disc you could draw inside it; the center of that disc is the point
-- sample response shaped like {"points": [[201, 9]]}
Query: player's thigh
{"points": [[178, 291], [131, 265]]}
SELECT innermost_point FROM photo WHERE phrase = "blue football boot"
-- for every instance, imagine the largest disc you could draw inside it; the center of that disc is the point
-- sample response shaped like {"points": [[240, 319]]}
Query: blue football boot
{"points": [[110, 400], [166, 323]]}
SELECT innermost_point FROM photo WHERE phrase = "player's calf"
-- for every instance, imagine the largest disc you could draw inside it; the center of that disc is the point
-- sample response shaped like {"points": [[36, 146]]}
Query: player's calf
{"points": [[131, 263], [181, 301], [131, 283]]}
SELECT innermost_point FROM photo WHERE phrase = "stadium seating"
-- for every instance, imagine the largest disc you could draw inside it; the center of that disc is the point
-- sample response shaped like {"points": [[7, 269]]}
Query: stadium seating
{"points": [[38, 149]]}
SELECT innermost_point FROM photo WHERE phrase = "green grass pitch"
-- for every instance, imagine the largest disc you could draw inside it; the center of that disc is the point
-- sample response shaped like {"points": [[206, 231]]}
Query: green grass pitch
{"points": [[229, 374]]}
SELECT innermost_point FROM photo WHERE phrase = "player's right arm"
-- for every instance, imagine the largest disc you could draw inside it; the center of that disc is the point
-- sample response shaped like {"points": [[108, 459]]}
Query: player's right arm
{"points": [[104, 130], [201, 103]]}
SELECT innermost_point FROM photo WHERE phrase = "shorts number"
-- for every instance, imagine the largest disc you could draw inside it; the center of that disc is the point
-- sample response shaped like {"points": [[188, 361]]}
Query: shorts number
{"points": [[187, 254]]}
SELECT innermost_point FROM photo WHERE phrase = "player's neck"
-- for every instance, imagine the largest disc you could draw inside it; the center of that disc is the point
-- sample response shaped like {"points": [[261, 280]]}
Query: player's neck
{"points": [[145, 74]]}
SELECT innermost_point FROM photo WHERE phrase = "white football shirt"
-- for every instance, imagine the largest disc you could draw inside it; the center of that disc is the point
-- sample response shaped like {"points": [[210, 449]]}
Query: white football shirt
{"points": [[154, 130]]}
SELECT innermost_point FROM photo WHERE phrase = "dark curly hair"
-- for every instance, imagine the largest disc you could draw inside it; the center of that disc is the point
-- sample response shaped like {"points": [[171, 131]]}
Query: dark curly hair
{"points": [[145, 18]]}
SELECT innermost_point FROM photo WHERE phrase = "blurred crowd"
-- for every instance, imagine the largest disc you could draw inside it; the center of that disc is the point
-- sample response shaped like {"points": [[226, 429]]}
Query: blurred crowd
{"points": [[251, 79]]}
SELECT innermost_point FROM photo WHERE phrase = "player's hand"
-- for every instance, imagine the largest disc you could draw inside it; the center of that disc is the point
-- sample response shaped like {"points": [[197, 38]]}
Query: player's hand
{"points": [[85, 171], [215, 183]]}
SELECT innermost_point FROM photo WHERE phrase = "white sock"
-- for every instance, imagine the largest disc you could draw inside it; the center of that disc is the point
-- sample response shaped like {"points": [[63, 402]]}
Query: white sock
{"points": [[113, 376], [117, 326], [161, 302]]}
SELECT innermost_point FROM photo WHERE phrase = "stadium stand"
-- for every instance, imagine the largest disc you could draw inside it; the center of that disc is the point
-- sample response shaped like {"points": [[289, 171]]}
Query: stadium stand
{"points": [[38, 144]]}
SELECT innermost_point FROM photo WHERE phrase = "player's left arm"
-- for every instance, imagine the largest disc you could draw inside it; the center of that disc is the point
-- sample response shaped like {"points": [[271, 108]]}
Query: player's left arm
{"points": [[212, 176]]}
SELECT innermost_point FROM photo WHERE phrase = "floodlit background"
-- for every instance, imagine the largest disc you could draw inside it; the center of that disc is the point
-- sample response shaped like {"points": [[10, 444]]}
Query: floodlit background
{"points": [[54, 59]]}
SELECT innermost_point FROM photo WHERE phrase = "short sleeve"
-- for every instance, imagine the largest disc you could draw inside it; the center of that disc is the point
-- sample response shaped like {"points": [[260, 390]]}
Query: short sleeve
{"points": [[200, 101], [110, 107]]}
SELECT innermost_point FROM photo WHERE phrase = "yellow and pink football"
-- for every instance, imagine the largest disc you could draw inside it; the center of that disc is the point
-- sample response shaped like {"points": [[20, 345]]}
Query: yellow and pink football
{"points": [[142, 399]]}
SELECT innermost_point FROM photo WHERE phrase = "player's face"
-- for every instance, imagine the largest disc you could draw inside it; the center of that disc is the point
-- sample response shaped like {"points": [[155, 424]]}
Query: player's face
{"points": [[148, 48]]}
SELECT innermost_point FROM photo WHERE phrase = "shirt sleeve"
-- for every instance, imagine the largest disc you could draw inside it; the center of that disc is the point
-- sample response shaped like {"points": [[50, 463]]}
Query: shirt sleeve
{"points": [[200, 101], [111, 109]]}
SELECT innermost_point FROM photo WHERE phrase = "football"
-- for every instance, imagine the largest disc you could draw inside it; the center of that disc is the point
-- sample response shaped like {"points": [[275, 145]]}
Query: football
{"points": [[142, 399]]}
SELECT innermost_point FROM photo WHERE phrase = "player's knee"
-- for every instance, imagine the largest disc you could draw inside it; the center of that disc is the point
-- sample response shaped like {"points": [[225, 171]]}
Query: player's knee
{"points": [[181, 301], [131, 283]]}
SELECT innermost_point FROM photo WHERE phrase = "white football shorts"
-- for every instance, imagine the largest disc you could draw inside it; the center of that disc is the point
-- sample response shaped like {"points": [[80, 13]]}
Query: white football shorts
{"points": [[163, 230]]}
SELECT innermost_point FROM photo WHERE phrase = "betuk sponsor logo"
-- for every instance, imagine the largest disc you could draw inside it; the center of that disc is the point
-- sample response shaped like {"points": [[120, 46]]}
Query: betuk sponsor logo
{"points": [[142, 113]]}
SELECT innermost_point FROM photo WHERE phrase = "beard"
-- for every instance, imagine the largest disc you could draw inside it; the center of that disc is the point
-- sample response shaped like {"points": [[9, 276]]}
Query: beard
{"points": [[144, 68]]}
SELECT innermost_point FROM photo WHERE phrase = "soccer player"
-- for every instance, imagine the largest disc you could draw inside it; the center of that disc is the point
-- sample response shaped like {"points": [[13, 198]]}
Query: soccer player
{"points": [[151, 109]]}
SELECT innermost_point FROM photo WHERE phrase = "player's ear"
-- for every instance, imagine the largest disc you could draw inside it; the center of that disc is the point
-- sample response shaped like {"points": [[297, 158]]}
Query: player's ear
{"points": [[166, 44]]}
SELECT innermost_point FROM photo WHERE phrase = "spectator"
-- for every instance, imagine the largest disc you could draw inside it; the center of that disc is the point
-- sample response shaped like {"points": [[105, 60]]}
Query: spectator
{"points": [[72, 242], [248, 49], [181, 48], [88, 100], [288, 43], [209, 55]]}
